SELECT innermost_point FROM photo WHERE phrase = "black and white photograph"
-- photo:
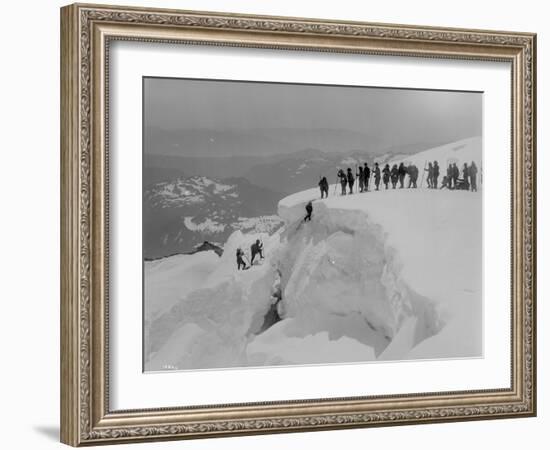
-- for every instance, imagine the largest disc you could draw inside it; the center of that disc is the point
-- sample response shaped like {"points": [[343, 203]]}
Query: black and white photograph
{"points": [[296, 224]]}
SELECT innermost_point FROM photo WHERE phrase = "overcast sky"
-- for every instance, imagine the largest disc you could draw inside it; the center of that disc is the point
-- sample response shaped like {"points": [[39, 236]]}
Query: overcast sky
{"points": [[289, 113]]}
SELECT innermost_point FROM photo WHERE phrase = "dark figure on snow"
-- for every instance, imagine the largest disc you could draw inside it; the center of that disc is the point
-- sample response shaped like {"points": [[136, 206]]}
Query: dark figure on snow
{"points": [[430, 171], [240, 260], [386, 175], [445, 183], [256, 249], [343, 180], [376, 176], [360, 176], [351, 180], [456, 174], [413, 175], [366, 174], [402, 172], [435, 175], [450, 176], [473, 177], [309, 210], [466, 176], [394, 175], [323, 185]]}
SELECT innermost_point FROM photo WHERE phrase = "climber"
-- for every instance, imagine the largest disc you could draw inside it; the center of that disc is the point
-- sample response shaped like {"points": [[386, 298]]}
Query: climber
{"points": [[343, 180], [351, 180], [240, 260], [376, 171], [309, 210], [323, 186], [256, 249]]}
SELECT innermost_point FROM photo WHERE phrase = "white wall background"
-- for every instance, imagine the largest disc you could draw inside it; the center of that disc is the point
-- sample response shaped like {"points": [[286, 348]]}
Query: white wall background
{"points": [[29, 230]]}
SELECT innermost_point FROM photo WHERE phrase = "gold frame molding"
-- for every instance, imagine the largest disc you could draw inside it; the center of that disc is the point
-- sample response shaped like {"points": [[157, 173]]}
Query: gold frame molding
{"points": [[86, 31]]}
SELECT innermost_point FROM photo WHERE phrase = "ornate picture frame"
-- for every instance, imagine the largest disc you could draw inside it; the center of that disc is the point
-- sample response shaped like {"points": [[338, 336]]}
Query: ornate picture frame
{"points": [[87, 31]]}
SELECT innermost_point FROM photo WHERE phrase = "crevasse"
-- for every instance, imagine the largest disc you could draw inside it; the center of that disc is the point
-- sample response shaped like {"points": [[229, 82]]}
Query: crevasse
{"points": [[341, 268]]}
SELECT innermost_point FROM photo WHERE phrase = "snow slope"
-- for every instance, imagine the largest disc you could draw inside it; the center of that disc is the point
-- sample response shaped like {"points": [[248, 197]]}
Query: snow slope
{"points": [[190, 270], [459, 152], [388, 275]]}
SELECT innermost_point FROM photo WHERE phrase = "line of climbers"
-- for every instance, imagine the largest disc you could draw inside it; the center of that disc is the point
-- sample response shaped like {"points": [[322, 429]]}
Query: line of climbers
{"points": [[397, 175]]}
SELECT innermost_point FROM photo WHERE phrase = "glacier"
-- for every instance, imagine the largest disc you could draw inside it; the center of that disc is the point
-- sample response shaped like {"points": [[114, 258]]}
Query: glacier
{"points": [[381, 276]]}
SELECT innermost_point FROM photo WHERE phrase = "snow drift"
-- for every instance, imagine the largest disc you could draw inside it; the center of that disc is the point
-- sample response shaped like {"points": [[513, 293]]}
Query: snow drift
{"points": [[389, 275]]}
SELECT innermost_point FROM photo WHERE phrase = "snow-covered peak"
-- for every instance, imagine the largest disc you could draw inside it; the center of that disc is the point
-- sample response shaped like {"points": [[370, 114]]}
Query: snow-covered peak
{"points": [[187, 191]]}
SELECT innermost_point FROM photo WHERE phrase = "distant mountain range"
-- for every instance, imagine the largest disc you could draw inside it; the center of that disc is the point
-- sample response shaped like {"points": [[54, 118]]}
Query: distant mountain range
{"points": [[179, 215], [261, 142]]}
